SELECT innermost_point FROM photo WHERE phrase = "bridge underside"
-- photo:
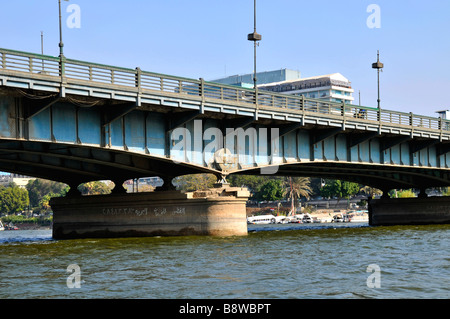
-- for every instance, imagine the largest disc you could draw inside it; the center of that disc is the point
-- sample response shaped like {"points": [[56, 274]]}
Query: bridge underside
{"points": [[377, 176], [74, 165]]}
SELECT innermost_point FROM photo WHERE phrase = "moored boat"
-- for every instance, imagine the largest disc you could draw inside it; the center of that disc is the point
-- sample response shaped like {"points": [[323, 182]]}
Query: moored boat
{"points": [[261, 219], [358, 217], [338, 218]]}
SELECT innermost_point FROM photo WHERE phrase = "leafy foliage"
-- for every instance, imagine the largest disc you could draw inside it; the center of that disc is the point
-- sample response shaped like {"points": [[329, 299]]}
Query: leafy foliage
{"points": [[195, 182], [339, 189], [13, 199], [39, 188], [272, 190], [95, 188]]}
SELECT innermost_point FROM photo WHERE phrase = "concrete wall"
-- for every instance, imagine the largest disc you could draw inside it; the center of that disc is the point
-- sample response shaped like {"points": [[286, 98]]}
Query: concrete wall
{"points": [[169, 213], [409, 211]]}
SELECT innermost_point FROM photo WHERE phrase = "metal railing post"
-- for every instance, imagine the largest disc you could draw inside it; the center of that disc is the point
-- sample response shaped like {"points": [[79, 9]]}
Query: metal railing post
{"points": [[62, 67], [30, 64], [137, 81], [201, 91]]}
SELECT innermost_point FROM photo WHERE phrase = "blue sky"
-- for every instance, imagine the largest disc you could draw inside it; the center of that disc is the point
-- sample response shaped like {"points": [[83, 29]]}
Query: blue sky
{"points": [[208, 38]]}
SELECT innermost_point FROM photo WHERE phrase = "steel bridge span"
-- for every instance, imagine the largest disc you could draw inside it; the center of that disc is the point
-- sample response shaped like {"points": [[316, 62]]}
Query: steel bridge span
{"points": [[74, 122]]}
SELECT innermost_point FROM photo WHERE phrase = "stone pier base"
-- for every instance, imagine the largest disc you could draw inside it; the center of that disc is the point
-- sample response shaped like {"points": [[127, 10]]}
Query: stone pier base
{"points": [[216, 212], [409, 211]]}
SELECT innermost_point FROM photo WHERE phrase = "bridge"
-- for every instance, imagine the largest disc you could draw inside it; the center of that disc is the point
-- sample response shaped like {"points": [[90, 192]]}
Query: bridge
{"points": [[73, 121]]}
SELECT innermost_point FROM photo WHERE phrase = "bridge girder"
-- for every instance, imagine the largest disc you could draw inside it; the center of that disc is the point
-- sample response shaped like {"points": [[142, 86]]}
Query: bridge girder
{"points": [[76, 129]]}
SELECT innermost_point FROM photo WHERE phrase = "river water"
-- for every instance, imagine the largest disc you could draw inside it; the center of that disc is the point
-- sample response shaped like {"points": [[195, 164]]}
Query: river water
{"points": [[301, 261]]}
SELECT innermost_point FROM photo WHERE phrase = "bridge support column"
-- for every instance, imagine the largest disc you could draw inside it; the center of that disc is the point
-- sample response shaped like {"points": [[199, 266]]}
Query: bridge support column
{"points": [[215, 212], [409, 211]]}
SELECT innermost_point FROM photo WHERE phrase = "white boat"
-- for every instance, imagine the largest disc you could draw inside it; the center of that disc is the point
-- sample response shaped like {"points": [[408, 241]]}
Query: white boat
{"points": [[359, 217], [296, 219], [338, 218], [307, 218], [1, 226], [316, 220], [281, 219], [261, 219]]}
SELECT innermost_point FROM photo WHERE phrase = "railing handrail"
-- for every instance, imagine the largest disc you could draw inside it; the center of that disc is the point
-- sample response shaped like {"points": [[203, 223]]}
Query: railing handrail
{"points": [[156, 81]]}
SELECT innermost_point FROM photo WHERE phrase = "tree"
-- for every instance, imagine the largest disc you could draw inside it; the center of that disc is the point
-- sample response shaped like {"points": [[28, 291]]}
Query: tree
{"points": [[39, 188], [296, 187], [195, 182], [95, 188], [272, 190], [339, 189], [252, 182], [13, 199], [407, 193]]}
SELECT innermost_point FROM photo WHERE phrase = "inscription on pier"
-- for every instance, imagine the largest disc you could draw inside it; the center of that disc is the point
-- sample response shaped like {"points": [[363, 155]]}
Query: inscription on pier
{"points": [[157, 211]]}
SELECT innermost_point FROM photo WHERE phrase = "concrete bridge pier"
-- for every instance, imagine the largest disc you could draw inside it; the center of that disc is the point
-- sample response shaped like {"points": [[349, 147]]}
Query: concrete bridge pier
{"points": [[217, 212], [422, 210]]}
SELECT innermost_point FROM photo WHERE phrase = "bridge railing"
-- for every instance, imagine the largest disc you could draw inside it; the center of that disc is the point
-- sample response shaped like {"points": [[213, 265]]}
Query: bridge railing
{"points": [[38, 64], [30, 63]]}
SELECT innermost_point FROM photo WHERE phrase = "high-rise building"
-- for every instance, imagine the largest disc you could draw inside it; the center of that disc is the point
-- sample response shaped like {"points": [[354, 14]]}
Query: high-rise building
{"points": [[332, 87], [246, 80]]}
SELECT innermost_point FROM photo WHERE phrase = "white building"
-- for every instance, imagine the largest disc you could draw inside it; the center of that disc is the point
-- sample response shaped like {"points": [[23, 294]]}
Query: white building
{"points": [[19, 180], [332, 87]]}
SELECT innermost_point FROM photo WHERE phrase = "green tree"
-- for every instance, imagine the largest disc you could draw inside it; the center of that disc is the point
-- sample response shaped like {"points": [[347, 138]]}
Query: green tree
{"points": [[272, 190], [407, 193], [39, 188], [252, 182], [195, 182], [13, 199], [95, 188], [339, 189]]}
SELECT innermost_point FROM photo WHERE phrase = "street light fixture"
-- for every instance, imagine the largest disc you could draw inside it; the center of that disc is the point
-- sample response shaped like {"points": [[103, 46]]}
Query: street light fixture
{"points": [[61, 44], [378, 66], [255, 37]]}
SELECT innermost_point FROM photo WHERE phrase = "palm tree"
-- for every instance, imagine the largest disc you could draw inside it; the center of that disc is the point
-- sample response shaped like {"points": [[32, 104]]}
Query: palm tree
{"points": [[296, 187]]}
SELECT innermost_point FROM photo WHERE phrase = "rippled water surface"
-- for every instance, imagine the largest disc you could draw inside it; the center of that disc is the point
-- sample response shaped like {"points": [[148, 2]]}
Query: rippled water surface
{"points": [[273, 261]]}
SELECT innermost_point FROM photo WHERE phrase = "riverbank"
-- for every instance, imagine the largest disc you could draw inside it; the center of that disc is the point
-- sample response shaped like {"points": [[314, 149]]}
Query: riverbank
{"points": [[27, 223], [322, 214]]}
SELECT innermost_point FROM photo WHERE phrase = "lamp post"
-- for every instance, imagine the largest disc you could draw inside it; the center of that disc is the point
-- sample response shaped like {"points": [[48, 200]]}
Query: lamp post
{"points": [[255, 37], [378, 66], [61, 44]]}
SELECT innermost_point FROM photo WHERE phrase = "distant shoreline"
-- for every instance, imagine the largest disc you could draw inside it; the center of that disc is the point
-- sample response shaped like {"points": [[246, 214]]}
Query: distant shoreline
{"points": [[32, 226]]}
